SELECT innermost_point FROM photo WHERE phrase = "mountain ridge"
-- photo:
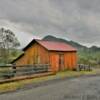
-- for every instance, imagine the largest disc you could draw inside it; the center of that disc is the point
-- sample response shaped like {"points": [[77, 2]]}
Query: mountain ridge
{"points": [[73, 43]]}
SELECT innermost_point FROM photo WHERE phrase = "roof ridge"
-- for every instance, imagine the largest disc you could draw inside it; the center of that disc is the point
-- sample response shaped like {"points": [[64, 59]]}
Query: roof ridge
{"points": [[52, 45]]}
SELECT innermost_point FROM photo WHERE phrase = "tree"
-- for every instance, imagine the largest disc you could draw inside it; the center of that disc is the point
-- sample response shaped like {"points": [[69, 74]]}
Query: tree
{"points": [[8, 41]]}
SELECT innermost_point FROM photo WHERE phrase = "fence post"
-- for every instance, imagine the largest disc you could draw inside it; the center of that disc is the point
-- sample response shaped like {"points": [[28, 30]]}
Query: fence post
{"points": [[14, 69]]}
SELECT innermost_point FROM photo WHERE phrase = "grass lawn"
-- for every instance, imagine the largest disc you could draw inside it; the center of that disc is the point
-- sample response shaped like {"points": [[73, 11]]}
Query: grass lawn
{"points": [[19, 84]]}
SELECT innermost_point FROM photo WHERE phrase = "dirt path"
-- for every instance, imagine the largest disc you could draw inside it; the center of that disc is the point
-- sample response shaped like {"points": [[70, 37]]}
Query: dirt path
{"points": [[83, 88]]}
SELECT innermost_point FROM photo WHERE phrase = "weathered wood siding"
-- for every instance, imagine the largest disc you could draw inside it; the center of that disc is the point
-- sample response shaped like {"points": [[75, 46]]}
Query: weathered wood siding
{"points": [[34, 55], [70, 60], [54, 61]]}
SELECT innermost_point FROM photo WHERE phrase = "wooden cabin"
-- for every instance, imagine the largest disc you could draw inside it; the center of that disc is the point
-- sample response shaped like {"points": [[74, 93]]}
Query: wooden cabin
{"points": [[59, 55]]}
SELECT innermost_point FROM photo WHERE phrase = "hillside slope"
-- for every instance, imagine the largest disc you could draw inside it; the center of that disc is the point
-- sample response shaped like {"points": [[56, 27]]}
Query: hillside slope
{"points": [[74, 44]]}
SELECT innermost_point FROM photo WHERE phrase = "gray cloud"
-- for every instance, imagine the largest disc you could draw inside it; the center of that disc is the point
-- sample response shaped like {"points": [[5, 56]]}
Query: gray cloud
{"points": [[78, 20]]}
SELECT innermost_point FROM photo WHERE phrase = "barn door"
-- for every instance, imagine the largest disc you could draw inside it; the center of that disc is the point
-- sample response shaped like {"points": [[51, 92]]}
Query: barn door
{"points": [[61, 62]]}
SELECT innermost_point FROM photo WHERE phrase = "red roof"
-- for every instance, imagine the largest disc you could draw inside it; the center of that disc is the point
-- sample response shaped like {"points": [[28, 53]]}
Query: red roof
{"points": [[52, 45], [56, 46]]}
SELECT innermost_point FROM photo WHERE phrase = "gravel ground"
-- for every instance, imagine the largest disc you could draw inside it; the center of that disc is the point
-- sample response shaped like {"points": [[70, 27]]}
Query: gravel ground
{"points": [[82, 88]]}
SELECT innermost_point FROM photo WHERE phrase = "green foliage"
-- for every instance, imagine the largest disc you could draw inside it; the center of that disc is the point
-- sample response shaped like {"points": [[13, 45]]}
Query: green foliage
{"points": [[8, 41], [13, 53], [89, 57]]}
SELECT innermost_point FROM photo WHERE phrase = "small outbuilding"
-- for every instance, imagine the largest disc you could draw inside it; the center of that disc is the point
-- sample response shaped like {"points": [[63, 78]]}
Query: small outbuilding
{"points": [[59, 55]]}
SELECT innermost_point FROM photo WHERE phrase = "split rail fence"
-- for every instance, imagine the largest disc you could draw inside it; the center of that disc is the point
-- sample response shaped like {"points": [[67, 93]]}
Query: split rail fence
{"points": [[22, 70]]}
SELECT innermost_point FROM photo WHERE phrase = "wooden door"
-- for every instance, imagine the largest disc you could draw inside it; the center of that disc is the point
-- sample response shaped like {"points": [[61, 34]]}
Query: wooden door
{"points": [[61, 62]]}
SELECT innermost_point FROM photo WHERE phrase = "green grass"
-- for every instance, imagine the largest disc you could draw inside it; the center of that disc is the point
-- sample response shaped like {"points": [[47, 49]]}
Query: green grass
{"points": [[19, 84]]}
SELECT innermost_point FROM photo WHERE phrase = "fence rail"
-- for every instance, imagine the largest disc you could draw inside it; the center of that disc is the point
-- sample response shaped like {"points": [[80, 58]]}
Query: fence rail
{"points": [[21, 70], [84, 67]]}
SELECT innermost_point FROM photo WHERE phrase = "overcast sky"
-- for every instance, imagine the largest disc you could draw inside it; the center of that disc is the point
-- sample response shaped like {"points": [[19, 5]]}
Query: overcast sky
{"points": [[77, 20]]}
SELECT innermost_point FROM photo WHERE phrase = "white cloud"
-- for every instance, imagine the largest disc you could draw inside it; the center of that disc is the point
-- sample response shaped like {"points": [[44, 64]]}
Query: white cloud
{"points": [[78, 20]]}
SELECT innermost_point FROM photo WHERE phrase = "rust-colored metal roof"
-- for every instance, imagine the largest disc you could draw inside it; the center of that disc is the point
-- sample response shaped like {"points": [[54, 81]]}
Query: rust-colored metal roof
{"points": [[56, 46], [52, 45]]}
